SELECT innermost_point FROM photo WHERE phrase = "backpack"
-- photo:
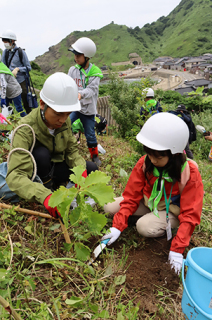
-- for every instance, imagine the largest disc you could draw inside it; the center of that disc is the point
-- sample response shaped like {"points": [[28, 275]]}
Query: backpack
{"points": [[190, 124], [20, 53], [100, 123]]}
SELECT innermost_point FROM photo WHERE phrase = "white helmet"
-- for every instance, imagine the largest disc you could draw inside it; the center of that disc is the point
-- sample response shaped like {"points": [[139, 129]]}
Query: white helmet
{"points": [[60, 93], [84, 45], [149, 92], [9, 34], [164, 131]]}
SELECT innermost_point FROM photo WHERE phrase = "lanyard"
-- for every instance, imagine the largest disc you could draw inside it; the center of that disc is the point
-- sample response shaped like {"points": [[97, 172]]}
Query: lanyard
{"points": [[82, 71], [167, 202]]}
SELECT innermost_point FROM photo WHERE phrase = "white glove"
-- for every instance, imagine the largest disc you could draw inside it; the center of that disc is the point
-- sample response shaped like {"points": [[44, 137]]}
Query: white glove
{"points": [[175, 259], [15, 71], [113, 235]]}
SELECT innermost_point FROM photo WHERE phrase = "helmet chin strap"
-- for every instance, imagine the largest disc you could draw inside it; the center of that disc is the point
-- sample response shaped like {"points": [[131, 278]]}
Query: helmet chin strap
{"points": [[43, 112]]}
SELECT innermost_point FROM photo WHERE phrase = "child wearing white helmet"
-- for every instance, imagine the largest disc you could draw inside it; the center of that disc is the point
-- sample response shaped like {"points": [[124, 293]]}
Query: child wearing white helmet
{"points": [[164, 190], [87, 77], [55, 149], [151, 105]]}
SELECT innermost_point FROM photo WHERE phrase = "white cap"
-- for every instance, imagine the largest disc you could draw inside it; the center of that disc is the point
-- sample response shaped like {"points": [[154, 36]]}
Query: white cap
{"points": [[60, 93], [164, 131]]}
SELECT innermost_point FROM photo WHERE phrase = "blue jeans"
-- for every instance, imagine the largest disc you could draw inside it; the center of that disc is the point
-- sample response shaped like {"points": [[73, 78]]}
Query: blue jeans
{"points": [[18, 105], [88, 123]]}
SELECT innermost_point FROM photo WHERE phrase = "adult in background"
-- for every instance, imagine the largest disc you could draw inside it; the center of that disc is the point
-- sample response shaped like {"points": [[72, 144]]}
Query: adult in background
{"points": [[151, 105], [17, 61], [164, 191], [10, 89], [55, 150], [87, 77]]}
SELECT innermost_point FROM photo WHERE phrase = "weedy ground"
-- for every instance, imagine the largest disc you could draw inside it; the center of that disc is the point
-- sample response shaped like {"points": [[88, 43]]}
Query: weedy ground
{"points": [[130, 280]]}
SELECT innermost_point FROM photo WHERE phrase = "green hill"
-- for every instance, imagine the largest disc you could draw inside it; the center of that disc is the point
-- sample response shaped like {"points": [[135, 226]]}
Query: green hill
{"points": [[184, 32]]}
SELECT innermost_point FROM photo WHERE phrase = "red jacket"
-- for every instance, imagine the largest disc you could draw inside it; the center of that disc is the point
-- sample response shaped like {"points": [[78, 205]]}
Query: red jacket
{"points": [[191, 201]]}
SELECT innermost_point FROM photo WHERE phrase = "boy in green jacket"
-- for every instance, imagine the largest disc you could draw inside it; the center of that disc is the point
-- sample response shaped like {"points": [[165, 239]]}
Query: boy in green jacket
{"points": [[55, 151]]}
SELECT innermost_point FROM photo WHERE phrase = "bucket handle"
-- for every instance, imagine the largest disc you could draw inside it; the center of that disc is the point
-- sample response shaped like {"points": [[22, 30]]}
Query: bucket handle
{"points": [[207, 315]]}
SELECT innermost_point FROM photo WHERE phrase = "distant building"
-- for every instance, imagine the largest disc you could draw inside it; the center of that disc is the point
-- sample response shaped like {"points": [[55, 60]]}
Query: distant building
{"points": [[135, 59]]}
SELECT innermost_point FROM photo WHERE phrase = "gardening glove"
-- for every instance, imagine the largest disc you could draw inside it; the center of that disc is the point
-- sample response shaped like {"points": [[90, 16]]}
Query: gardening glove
{"points": [[113, 235], [52, 211], [3, 102], [175, 259], [15, 71]]}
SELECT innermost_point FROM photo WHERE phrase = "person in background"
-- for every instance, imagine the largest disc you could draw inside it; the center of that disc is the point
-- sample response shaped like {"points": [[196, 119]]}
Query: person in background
{"points": [[10, 89], [55, 151], [164, 191], [151, 105], [17, 61], [87, 77]]}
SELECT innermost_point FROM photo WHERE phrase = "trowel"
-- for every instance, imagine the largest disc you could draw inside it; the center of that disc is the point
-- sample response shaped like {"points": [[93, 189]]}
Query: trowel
{"points": [[98, 250]]}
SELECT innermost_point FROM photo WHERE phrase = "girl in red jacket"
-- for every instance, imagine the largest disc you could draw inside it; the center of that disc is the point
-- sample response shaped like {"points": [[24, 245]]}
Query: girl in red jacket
{"points": [[164, 190]]}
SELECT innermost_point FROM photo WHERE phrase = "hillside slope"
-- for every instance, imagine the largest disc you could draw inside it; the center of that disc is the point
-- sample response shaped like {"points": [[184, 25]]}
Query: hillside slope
{"points": [[184, 32]]}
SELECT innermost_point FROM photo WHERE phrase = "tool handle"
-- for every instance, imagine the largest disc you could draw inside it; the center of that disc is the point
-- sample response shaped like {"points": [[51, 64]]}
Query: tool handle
{"points": [[105, 241]]}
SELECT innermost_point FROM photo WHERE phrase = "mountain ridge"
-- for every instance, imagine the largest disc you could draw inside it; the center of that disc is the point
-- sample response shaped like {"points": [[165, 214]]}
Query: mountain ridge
{"points": [[184, 32]]}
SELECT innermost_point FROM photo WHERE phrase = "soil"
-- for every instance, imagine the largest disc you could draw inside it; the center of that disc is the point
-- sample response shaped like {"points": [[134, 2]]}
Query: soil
{"points": [[149, 275]]}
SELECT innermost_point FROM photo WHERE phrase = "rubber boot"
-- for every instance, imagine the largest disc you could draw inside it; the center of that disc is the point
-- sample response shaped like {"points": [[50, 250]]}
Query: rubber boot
{"points": [[95, 155]]}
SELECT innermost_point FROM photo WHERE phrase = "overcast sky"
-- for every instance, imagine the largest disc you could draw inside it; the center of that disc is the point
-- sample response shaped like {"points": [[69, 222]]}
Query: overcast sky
{"points": [[40, 24]]}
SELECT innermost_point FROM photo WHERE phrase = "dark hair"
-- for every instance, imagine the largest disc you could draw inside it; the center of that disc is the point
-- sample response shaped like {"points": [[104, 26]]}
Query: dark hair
{"points": [[173, 167]]}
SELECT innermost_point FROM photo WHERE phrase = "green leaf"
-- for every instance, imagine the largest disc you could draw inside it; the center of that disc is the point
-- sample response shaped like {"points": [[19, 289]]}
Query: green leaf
{"points": [[67, 246], [123, 173], [29, 229], [103, 315], [101, 193], [96, 177], [73, 300], [58, 196], [74, 215], [119, 280], [77, 176], [82, 252], [120, 316], [3, 274], [31, 282], [96, 222], [93, 307], [55, 226]]}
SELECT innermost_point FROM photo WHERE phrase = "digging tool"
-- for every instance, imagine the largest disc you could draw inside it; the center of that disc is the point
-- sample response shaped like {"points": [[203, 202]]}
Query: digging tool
{"points": [[40, 214], [98, 250]]}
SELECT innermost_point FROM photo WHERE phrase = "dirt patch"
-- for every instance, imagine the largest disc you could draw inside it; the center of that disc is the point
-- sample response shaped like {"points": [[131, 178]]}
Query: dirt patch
{"points": [[149, 277]]}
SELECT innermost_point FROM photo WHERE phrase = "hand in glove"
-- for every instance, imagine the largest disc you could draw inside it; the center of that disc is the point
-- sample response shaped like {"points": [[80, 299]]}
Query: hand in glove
{"points": [[3, 102], [113, 235], [175, 259], [52, 211], [15, 71]]}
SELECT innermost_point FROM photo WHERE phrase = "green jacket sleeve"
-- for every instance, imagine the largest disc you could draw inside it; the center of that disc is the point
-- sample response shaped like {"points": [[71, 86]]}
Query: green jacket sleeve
{"points": [[20, 170]]}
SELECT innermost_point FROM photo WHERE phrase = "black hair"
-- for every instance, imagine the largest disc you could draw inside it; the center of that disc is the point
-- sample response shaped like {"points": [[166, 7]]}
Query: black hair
{"points": [[173, 167]]}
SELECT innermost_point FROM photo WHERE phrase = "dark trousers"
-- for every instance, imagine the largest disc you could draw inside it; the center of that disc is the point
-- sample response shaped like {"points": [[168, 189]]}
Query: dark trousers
{"points": [[24, 97], [58, 172]]}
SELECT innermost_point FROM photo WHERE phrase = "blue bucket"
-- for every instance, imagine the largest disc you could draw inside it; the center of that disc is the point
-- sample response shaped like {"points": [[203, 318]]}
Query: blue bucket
{"points": [[197, 295]]}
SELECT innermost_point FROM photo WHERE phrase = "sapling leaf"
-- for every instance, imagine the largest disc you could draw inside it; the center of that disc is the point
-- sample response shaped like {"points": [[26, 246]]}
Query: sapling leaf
{"points": [[77, 176], [82, 251], [60, 195], [101, 193], [74, 215], [96, 222], [96, 177]]}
